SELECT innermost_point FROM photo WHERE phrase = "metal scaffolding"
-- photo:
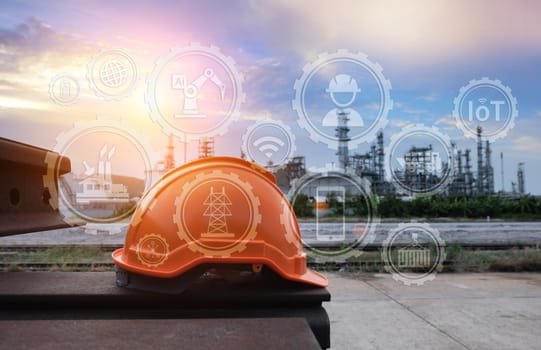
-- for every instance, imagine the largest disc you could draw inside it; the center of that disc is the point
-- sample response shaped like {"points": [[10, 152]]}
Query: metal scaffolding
{"points": [[206, 147], [520, 178], [343, 139]]}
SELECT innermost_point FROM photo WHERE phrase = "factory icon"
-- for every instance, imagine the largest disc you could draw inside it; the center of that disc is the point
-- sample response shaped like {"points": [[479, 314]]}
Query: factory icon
{"points": [[97, 185]]}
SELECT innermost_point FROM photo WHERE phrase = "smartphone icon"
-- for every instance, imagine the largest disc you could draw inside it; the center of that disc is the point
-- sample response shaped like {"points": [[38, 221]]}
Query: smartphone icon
{"points": [[333, 229]]}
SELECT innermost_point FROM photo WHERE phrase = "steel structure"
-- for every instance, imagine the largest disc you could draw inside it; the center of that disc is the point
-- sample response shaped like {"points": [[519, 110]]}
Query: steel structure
{"points": [[370, 165], [217, 211], [343, 139], [419, 172], [206, 147], [520, 179]]}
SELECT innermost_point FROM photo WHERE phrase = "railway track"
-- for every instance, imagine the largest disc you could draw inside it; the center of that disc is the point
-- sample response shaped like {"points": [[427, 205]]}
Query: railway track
{"points": [[12, 258], [368, 265], [23, 248], [5, 249], [63, 266]]}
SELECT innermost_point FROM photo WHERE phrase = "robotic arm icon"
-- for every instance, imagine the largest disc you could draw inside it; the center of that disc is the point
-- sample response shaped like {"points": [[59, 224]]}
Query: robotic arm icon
{"points": [[191, 92]]}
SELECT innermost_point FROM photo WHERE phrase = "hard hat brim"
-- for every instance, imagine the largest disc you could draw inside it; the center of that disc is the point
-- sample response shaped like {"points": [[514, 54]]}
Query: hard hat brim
{"points": [[309, 276]]}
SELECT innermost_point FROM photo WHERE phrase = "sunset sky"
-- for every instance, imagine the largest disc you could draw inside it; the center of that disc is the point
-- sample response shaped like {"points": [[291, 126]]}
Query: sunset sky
{"points": [[428, 50]]}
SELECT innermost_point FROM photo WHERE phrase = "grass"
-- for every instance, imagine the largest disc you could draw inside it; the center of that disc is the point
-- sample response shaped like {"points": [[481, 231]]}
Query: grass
{"points": [[59, 258], [457, 260], [60, 255], [513, 260]]}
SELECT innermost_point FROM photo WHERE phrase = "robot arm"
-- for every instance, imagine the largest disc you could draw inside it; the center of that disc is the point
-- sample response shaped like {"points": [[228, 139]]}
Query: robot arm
{"points": [[209, 74], [191, 91]]}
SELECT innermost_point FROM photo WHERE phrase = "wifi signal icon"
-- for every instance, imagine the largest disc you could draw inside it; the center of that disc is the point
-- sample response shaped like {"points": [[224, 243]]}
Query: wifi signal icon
{"points": [[268, 145], [483, 100]]}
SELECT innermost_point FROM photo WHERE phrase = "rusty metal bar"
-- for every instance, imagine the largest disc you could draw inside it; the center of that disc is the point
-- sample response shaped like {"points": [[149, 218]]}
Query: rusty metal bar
{"points": [[27, 204]]}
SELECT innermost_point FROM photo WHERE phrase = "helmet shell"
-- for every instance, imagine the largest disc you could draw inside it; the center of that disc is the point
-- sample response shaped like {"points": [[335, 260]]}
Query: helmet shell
{"points": [[343, 83], [218, 210]]}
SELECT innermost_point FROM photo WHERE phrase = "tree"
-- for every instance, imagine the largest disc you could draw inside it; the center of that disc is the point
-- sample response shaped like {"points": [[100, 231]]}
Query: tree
{"points": [[392, 206], [336, 206], [302, 206], [526, 204]]}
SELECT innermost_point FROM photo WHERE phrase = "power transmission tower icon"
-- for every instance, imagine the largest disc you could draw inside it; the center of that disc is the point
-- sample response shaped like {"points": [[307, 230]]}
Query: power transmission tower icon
{"points": [[217, 210]]}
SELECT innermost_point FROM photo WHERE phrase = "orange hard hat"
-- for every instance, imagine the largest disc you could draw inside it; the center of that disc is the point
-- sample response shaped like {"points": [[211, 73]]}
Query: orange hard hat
{"points": [[218, 210]]}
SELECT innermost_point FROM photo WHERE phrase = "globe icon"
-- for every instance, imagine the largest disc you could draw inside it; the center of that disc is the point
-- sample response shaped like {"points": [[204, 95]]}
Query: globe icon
{"points": [[113, 74]]}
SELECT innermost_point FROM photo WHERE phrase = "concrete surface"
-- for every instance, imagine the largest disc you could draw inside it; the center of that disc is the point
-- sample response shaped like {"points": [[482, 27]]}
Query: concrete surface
{"points": [[454, 311]]}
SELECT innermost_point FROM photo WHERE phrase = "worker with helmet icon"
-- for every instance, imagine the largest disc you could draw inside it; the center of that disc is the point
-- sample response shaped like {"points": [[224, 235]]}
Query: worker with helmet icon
{"points": [[343, 90]]}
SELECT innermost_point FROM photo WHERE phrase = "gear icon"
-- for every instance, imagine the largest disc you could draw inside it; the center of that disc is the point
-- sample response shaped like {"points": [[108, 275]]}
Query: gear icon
{"points": [[401, 184], [417, 255], [65, 140], [503, 90], [257, 147], [152, 250], [290, 225], [228, 65], [64, 89], [112, 74], [363, 233], [374, 69], [201, 181]]}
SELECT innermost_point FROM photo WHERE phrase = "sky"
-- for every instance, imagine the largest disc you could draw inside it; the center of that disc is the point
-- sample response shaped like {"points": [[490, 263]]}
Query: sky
{"points": [[426, 50]]}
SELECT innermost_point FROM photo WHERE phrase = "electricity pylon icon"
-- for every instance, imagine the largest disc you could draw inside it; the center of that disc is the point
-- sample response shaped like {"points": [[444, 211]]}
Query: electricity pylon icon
{"points": [[218, 209]]}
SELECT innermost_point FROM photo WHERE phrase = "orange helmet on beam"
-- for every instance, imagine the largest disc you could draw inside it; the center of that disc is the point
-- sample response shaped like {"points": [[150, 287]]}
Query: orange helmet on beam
{"points": [[218, 210]]}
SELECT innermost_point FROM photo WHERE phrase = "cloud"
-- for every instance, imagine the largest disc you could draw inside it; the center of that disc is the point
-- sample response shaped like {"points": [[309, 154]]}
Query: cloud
{"points": [[34, 41], [257, 116], [447, 120], [399, 123], [8, 85], [269, 88], [430, 98], [20, 103], [375, 106], [397, 105], [416, 32], [31, 54], [528, 144]]}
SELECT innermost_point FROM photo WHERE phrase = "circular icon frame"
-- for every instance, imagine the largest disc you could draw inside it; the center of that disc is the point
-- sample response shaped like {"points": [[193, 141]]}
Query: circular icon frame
{"points": [[121, 65], [360, 59], [65, 140], [419, 130], [213, 53], [497, 86], [269, 143], [415, 257]]}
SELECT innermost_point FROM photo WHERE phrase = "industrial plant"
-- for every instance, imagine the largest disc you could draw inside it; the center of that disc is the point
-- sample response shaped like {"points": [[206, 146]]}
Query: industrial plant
{"points": [[423, 166], [464, 179]]}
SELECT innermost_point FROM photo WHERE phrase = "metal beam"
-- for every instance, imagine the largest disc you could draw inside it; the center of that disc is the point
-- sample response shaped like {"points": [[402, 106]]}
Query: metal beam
{"points": [[26, 203]]}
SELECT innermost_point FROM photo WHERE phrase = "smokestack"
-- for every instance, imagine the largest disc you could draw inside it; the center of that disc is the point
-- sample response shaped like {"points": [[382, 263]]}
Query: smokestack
{"points": [[468, 180], [170, 155], [520, 176], [501, 164], [381, 157], [489, 170], [108, 172], [480, 168], [459, 162], [373, 160], [343, 139], [101, 165]]}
